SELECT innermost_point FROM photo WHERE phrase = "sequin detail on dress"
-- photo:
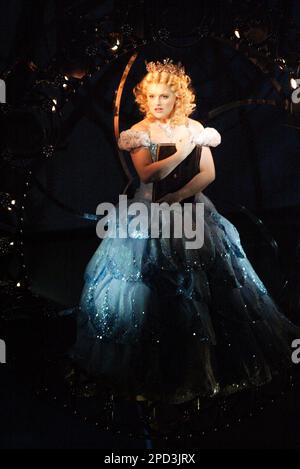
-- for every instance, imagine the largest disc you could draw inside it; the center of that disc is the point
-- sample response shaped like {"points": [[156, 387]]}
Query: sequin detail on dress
{"points": [[173, 324]]}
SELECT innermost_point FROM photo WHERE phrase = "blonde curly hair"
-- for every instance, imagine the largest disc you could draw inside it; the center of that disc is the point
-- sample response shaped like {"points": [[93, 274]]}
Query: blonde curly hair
{"points": [[180, 85]]}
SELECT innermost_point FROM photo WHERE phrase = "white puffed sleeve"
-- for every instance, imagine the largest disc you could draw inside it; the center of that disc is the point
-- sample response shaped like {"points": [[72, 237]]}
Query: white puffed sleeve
{"points": [[130, 139], [209, 137]]}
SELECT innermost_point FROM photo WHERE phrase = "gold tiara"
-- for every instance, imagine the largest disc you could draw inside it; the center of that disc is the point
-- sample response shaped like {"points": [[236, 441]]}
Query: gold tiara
{"points": [[165, 66]]}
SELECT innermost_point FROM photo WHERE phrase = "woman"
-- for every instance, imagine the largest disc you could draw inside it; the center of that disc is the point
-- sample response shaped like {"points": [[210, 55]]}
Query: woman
{"points": [[159, 321]]}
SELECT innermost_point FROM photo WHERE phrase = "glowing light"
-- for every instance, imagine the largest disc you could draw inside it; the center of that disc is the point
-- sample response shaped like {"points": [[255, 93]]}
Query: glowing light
{"points": [[281, 63], [13, 202], [115, 47], [237, 34]]}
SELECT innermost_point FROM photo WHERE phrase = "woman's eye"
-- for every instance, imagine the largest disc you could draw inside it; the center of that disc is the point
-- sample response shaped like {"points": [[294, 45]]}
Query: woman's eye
{"points": [[166, 96]]}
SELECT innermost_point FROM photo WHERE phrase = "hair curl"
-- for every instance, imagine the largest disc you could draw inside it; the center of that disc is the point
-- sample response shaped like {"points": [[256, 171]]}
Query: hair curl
{"points": [[180, 85]]}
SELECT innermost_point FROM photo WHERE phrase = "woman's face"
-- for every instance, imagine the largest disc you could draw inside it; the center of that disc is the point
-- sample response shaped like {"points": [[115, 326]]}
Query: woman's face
{"points": [[161, 100]]}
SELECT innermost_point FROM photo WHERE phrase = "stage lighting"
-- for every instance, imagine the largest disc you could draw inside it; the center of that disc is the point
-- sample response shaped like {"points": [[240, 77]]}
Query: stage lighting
{"points": [[115, 41], [281, 63]]}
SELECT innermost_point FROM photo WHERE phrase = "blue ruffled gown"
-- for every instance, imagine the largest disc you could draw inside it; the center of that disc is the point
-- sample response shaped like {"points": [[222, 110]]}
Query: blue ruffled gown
{"points": [[172, 323]]}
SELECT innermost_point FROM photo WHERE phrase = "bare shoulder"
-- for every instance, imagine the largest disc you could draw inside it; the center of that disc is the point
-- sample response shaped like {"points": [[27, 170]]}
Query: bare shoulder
{"points": [[142, 126], [196, 125]]}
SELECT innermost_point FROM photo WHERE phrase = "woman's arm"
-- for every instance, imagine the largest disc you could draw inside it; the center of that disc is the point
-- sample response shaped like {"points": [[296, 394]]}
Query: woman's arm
{"points": [[151, 172], [202, 180]]}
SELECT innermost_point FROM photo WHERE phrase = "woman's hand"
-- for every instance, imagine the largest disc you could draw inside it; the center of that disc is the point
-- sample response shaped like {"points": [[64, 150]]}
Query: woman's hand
{"points": [[170, 198], [185, 145]]}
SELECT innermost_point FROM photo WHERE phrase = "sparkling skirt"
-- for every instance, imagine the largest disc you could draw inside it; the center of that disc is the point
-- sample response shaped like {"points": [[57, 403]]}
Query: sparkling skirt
{"points": [[174, 324]]}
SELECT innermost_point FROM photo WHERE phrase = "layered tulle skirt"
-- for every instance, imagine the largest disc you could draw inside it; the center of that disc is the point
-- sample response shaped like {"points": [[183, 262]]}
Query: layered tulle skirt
{"points": [[172, 323]]}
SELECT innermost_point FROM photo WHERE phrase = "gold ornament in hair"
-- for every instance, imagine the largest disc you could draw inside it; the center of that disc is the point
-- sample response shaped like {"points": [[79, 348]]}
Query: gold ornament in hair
{"points": [[166, 66]]}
